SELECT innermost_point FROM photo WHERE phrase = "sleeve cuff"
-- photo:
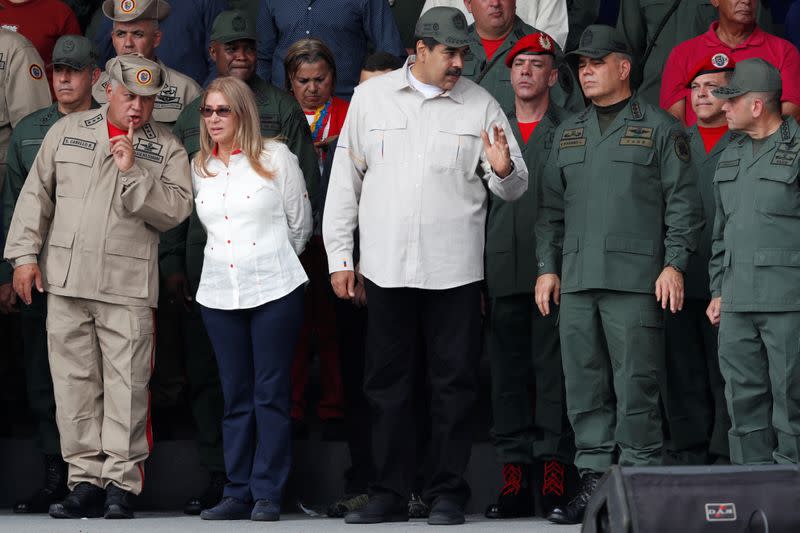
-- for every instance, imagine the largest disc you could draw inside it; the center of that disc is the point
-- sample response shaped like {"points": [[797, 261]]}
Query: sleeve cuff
{"points": [[24, 260], [340, 262], [679, 261]]}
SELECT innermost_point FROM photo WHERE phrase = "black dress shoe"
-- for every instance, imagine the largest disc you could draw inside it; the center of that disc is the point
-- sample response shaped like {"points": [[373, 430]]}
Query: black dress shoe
{"points": [[515, 499], [229, 509], [379, 509], [84, 501], [119, 503], [54, 489], [265, 511], [557, 484], [573, 512], [446, 513], [210, 496]]}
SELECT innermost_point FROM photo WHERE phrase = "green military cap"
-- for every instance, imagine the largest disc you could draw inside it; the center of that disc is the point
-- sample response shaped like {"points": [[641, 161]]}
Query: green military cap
{"points": [[231, 26], [74, 51], [130, 10], [599, 40], [138, 74], [751, 75], [446, 25]]}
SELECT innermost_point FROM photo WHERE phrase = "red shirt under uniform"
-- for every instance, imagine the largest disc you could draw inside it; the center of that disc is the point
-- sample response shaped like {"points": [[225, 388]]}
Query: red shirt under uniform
{"points": [[711, 136], [527, 129], [490, 46], [779, 52], [42, 22]]}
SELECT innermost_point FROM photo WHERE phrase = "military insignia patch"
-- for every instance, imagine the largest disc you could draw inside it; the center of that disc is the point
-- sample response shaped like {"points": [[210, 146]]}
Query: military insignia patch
{"points": [[69, 45], [681, 144], [168, 98], [127, 6], [572, 138], [79, 143], [586, 38], [94, 120], [785, 135], [2, 61], [458, 22], [148, 131], [35, 71], [720, 60], [144, 76], [238, 23], [544, 42], [146, 149], [636, 111], [637, 136], [786, 153]]}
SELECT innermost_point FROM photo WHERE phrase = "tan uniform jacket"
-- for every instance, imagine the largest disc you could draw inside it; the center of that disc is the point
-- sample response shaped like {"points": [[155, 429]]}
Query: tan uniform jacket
{"points": [[95, 228], [23, 86], [179, 91]]}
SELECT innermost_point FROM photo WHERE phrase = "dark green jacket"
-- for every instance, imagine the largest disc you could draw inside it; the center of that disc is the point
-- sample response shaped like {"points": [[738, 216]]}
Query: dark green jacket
{"points": [[181, 248], [755, 248], [25, 141], [495, 76], [510, 237], [619, 206], [638, 21], [696, 278]]}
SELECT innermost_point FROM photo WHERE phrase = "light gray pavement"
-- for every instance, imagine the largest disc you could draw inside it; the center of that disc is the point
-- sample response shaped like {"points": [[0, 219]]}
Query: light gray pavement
{"points": [[173, 523]]}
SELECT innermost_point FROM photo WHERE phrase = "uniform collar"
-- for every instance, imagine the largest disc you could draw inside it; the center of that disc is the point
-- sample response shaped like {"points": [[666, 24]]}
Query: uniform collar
{"points": [[401, 82]]}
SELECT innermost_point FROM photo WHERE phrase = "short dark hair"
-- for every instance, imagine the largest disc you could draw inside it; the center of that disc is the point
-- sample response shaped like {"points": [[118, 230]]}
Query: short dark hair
{"points": [[380, 61], [307, 51], [429, 42]]}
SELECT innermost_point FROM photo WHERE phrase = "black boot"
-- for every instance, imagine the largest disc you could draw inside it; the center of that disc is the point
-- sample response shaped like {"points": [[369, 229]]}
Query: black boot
{"points": [[54, 489], [557, 484], [573, 512], [515, 498], [119, 503], [379, 509], [210, 496], [84, 501]]}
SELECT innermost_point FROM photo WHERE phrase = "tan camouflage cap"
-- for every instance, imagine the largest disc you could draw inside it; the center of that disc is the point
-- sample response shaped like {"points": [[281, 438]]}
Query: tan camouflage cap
{"points": [[138, 74], [130, 10]]}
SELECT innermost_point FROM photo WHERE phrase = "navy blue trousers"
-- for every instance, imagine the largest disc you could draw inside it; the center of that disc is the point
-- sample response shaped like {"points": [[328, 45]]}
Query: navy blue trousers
{"points": [[254, 350]]}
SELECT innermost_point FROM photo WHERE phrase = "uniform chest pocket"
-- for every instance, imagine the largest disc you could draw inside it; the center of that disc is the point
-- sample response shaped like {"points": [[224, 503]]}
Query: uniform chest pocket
{"points": [[725, 180], [571, 155], [455, 146], [387, 140], [777, 191], [636, 155], [73, 169]]}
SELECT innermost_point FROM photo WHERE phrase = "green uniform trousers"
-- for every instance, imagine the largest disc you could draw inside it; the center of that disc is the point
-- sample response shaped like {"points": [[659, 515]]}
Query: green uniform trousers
{"points": [[759, 355], [694, 391], [524, 354], [613, 356], [37, 373]]}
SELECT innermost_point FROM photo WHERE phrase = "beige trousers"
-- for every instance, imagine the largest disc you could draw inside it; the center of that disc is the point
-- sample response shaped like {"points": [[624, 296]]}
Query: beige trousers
{"points": [[101, 358]]}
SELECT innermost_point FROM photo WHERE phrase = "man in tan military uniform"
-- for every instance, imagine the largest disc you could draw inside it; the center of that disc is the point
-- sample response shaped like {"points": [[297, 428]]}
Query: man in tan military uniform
{"points": [[25, 87], [135, 30], [104, 184]]}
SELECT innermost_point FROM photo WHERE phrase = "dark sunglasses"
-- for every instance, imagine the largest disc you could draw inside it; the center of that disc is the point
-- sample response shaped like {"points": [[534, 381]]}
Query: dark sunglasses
{"points": [[222, 111]]}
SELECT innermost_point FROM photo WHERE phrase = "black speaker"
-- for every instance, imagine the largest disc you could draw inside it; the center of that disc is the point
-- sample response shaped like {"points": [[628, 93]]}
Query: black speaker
{"points": [[693, 499]]}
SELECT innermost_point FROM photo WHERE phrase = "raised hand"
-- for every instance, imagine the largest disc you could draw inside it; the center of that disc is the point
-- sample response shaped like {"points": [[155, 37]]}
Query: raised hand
{"points": [[122, 149], [498, 154]]}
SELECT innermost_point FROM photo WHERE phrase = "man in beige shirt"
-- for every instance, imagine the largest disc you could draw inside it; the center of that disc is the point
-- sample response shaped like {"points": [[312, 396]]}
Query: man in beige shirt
{"points": [[104, 184], [135, 30], [411, 168]]}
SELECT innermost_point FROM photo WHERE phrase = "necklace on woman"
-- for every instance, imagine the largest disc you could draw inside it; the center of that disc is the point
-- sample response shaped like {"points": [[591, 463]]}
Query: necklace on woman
{"points": [[320, 121]]}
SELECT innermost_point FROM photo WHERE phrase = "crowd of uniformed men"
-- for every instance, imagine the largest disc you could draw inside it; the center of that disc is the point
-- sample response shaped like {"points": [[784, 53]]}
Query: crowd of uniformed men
{"points": [[621, 218]]}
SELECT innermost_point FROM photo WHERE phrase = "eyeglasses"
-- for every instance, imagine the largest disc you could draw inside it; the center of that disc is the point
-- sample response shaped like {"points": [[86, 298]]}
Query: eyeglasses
{"points": [[222, 111]]}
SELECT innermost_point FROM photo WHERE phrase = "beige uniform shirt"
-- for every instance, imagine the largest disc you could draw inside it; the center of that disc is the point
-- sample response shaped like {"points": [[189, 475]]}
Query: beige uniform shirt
{"points": [[410, 172], [94, 229], [179, 91], [23, 87]]}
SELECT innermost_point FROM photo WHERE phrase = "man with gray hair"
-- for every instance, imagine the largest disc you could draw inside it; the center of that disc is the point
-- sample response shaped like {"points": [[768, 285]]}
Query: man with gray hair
{"points": [[102, 186], [755, 268]]}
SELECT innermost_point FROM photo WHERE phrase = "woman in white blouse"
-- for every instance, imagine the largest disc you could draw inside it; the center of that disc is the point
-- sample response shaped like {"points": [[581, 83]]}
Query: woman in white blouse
{"points": [[251, 199]]}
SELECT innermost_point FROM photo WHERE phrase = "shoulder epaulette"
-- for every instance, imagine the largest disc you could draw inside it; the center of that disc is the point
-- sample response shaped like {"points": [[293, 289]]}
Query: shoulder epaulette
{"points": [[94, 120]]}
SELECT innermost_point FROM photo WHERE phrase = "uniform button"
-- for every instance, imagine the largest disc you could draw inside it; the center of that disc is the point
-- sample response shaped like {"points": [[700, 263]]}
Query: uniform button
{"points": [[308, 32], [541, 264], [309, 8]]}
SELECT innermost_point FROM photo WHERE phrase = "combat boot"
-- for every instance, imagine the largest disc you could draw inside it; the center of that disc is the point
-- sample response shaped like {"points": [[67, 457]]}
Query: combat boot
{"points": [[515, 499], [54, 489], [84, 501], [119, 503], [556, 482], [573, 512]]}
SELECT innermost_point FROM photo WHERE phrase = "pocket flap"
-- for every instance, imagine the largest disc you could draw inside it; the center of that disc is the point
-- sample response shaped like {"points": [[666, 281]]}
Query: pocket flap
{"points": [[387, 123], [570, 244], [776, 257], [74, 154], [461, 127], [127, 248], [571, 155], [781, 174], [62, 239], [629, 245], [636, 155], [728, 172]]}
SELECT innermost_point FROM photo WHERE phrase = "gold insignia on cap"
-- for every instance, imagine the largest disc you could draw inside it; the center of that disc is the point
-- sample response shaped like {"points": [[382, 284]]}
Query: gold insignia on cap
{"points": [[144, 76], [35, 71], [544, 42], [127, 6], [720, 60]]}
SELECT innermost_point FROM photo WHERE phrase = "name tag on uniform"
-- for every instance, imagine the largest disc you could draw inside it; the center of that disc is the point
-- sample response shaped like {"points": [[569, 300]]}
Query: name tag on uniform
{"points": [[149, 150], [80, 143], [573, 137], [637, 136]]}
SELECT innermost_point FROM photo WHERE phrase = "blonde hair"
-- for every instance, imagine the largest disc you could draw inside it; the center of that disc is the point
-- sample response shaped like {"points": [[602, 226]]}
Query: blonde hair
{"points": [[248, 132]]}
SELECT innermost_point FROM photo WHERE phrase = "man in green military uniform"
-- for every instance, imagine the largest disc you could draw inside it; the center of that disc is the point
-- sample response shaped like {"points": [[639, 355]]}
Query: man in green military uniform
{"points": [[181, 253], [755, 268], [494, 33], [619, 216], [694, 394], [523, 344], [653, 28], [74, 72]]}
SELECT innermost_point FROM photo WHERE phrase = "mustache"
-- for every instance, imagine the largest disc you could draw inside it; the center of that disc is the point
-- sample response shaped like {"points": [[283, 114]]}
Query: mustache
{"points": [[453, 72]]}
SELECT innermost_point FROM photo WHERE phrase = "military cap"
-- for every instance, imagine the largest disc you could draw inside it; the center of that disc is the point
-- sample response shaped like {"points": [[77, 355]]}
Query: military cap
{"points": [[130, 10], [599, 40], [231, 26], [138, 74], [711, 64], [446, 25], [74, 51], [751, 75], [538, 43]]}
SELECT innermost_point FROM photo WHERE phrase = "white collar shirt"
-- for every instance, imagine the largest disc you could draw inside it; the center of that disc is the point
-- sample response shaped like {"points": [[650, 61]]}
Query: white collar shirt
{"points": [[410, 172], [256, 229]]}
